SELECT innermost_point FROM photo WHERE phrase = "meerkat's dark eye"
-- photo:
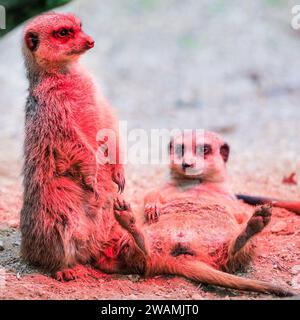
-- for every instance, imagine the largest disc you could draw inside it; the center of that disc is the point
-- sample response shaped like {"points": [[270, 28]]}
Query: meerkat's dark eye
{"points": [[63, 32], [203, 150], [179, 150], [224, 151]]}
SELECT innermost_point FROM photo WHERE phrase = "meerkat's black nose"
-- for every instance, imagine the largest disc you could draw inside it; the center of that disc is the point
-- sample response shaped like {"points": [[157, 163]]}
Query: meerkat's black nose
{"points": [[90, 43], [186, 165]]}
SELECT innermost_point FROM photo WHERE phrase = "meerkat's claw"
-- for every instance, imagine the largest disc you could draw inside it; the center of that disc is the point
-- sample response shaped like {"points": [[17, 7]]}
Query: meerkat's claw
{"points": [[152, 212], [121, 205], [265, 212], [96, 194], [66, 275], [119, 179]]}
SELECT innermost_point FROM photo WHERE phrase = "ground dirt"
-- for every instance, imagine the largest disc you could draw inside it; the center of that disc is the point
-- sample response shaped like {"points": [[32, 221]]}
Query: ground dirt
{"points": [[226, 66]]}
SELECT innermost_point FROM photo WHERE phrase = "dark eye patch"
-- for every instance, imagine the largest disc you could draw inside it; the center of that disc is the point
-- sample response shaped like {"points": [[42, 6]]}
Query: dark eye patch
{"points": [[225, 151], [63, 32], [203, 149], [179, 150], [171, 146]]}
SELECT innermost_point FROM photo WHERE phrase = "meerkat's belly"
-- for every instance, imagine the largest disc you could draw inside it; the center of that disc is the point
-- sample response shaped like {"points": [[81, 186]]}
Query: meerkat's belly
{"points": [[197, 228]]}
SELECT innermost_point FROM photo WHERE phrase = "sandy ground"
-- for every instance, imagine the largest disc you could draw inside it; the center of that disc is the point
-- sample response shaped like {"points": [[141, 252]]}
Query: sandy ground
{"points": [[226, 66]]}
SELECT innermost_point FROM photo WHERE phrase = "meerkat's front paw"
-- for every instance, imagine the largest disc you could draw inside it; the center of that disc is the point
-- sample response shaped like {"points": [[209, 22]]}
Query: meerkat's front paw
{"points": [[118, 178], [152, 212], [123, 214]]}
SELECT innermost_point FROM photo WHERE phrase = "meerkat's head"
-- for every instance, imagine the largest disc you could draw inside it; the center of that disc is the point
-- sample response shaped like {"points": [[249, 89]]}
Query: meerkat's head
{"points": [[198, 154], [54, 39]]}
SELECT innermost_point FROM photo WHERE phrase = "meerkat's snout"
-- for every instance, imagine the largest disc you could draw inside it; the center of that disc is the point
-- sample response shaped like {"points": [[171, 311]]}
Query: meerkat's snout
{"points": [[199, 155], [84, 42], [189, 162], [186, 165], [89, 42]]}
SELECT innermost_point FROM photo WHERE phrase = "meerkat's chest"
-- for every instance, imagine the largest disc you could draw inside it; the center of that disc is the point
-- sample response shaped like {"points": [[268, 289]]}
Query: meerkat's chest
{"points": [[195, 192], [86, 111]]}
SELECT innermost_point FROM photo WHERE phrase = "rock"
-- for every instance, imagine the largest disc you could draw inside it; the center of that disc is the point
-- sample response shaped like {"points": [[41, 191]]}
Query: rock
{"points": [[17, 243], [133, 277], [13, 223], [1, 246], [296, 282], [279, 227], [295, 269], [291, 179]]}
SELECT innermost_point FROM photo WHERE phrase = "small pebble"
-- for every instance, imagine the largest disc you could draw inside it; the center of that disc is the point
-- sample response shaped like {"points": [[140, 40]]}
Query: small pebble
{"points": [[196, 297], [1, 246], [17, 243], [133, 277]]}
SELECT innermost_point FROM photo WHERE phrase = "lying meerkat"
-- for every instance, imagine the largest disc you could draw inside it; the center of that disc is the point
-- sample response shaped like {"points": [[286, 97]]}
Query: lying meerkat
{"points": [[202, 230], [67, 216], [185, 180]]}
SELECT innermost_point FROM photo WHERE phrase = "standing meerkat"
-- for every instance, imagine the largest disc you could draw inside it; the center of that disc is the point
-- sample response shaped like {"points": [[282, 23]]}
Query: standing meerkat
{"points": [[67, 217], [201, 230]]}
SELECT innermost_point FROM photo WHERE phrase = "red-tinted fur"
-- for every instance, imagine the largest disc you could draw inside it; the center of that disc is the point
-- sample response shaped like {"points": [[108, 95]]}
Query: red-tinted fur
{"points": [[200, 228], [67, 211]]}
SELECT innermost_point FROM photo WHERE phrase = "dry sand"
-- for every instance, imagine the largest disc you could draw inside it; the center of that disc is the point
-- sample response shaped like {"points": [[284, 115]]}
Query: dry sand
{"points": [[227, 66]]}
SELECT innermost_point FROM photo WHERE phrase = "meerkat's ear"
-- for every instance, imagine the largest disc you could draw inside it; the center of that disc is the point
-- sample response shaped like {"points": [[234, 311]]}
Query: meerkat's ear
{"points": [[225, 151], [32, 40], [171, 145]]}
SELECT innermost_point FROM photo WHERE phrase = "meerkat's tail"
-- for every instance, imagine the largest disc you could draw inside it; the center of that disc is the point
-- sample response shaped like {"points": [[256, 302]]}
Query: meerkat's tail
{"points": [[199, 271], [293, 206]]}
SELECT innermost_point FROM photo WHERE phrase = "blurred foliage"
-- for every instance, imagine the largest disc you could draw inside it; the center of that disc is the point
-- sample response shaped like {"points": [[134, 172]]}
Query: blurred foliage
{"points": [[149, 4], [217, 6], [18, 11], [136, 7], [274, 3], [189, 42]]}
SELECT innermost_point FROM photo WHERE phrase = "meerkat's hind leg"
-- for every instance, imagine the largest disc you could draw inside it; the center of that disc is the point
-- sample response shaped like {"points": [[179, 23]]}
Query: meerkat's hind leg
{"points": [[238, 253], [256, 224], [126, 219]]}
